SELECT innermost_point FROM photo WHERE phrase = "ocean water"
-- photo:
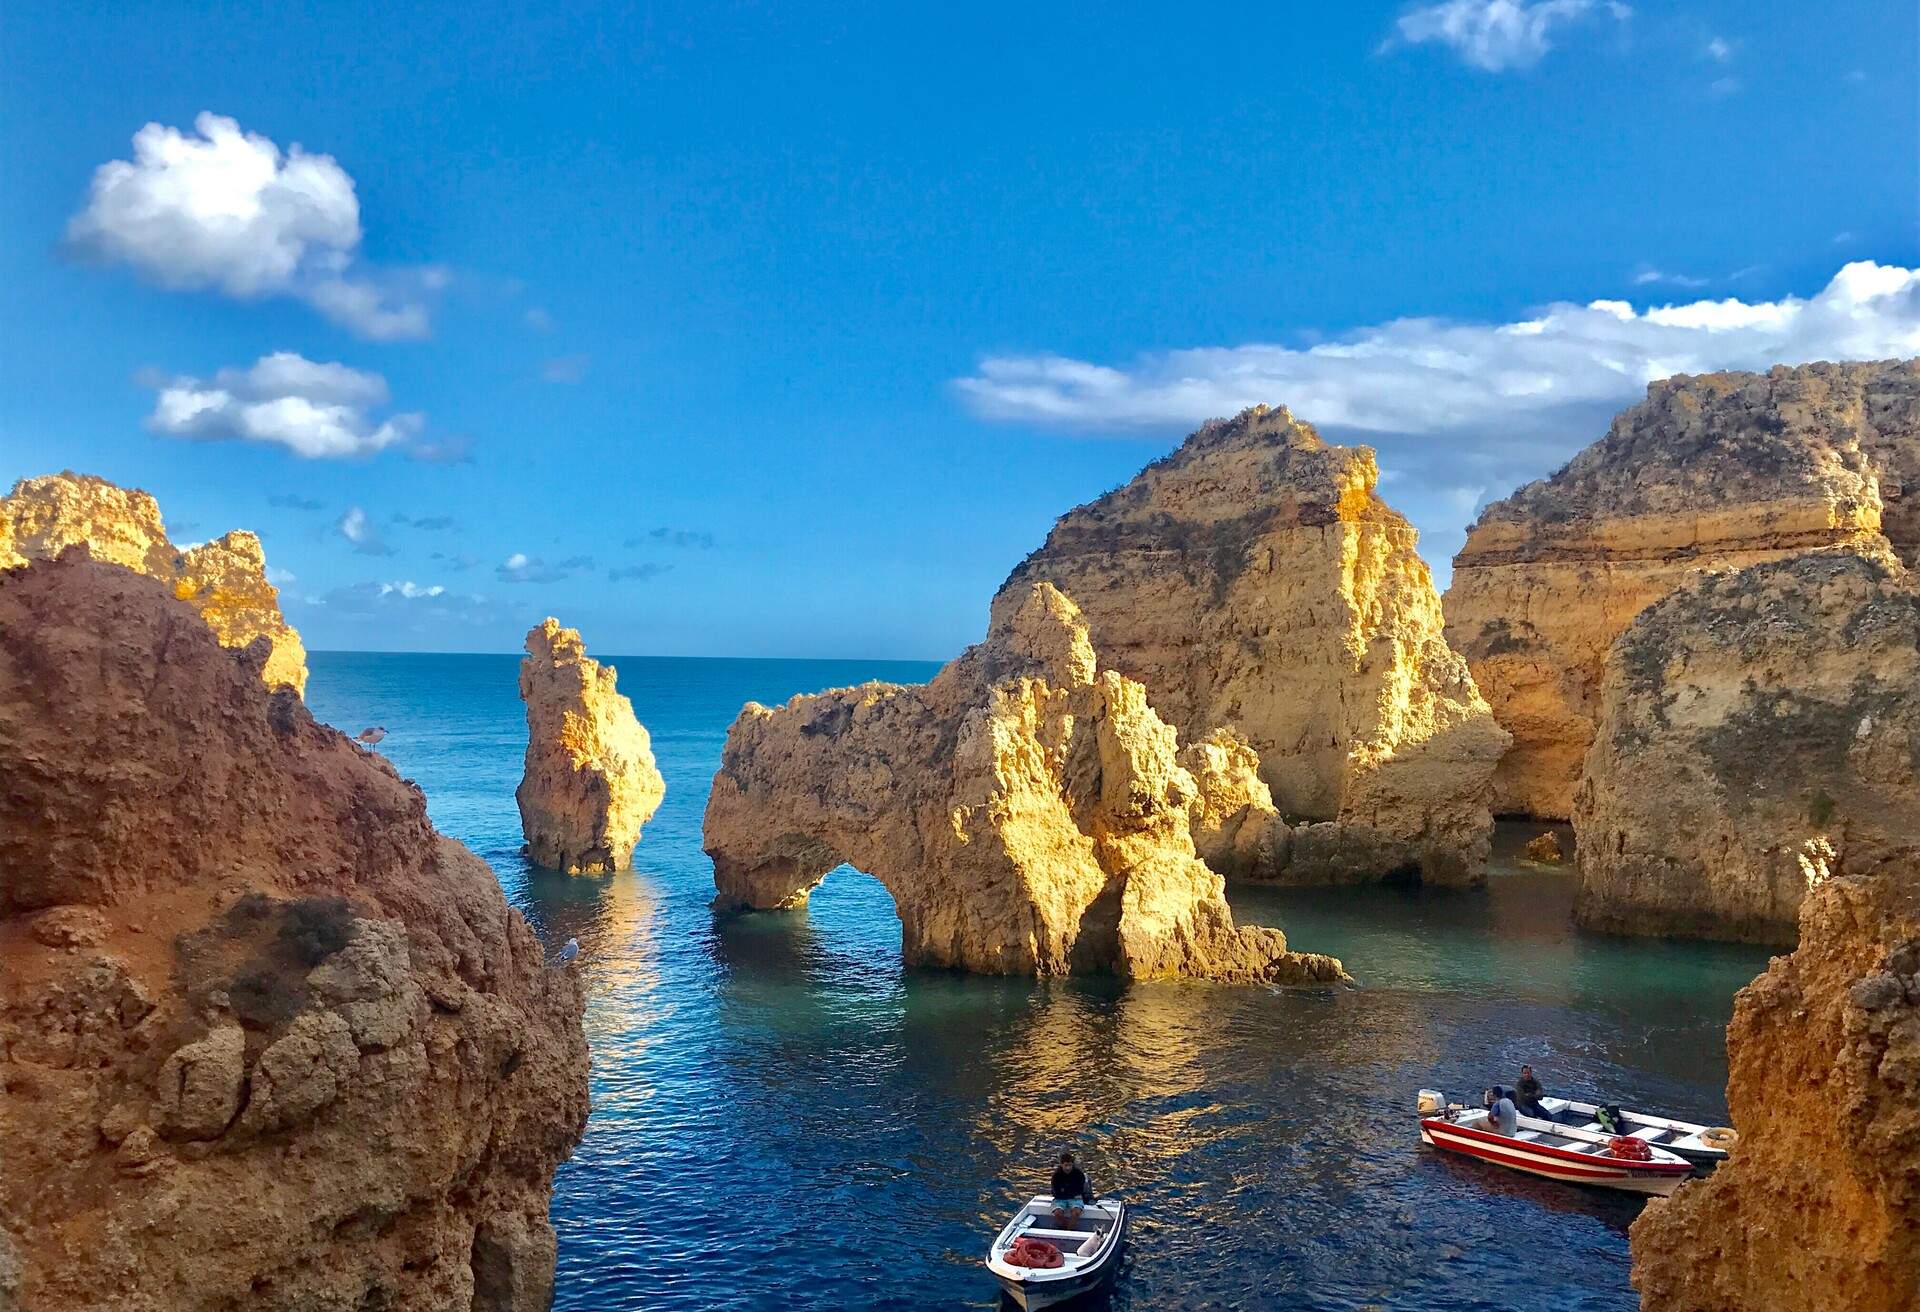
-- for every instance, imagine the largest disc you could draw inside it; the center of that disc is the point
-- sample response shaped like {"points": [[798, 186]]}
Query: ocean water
{"points": [[786, 1117]]}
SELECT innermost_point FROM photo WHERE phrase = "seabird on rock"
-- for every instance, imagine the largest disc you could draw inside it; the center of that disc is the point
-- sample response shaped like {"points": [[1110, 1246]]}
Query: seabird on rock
{"points": [[570, 951], [369, 737]]}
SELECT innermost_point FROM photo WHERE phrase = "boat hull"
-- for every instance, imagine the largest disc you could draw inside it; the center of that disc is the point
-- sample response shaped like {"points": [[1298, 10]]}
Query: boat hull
{"points": [[1032, 1290], [1653, 1178]]}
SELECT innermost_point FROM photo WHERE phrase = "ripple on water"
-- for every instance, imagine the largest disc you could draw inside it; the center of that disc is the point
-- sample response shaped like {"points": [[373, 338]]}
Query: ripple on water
{"points": [[786, 1117]]}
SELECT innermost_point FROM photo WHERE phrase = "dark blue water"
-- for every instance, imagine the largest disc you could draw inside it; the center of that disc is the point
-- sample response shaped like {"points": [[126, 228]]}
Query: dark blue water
{"points": [[786, 1117]]}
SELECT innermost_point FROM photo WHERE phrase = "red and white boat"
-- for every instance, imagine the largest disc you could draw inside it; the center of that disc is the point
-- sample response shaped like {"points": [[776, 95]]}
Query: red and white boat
{"points": [[1557, 1152]]}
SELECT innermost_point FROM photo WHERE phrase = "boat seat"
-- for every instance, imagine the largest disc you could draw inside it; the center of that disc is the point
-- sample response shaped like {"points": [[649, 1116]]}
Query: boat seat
{"points": [[1650, 1133], [1532, 1135], [1075, 1237]]}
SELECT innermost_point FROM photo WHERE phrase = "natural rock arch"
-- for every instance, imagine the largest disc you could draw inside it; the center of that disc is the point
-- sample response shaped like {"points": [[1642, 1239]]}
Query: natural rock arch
{"points": [[1026, 811]]}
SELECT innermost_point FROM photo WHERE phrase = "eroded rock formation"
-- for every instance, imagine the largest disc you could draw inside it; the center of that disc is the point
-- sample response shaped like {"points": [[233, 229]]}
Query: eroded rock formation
{"points": [[225, 580], [1253, 580], [266, 1039], [1819, 1207], [1026, 809], [1715, 471], [590, 782], [1754, 725]]}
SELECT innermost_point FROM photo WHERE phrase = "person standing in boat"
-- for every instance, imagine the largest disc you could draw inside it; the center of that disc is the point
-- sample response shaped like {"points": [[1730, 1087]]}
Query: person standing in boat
{"points": [[1071, 1193], [1527, 1095]]}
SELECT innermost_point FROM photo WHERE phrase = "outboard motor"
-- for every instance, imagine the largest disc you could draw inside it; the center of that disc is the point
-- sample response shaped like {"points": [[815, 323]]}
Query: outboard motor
{"points": [[1432, 1102]]}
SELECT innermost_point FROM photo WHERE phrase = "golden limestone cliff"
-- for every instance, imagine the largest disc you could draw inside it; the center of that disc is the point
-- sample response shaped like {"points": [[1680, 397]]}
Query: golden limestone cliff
{"points": [[590, 782], [224, 580], [1709, 472], [1755, 726], [1253, 580], [266, 1039], [1819, 1207], [1027, 810]]}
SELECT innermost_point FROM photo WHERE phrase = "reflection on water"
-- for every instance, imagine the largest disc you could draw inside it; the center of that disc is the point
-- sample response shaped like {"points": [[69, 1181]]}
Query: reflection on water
{"points": [[785, 1116]]}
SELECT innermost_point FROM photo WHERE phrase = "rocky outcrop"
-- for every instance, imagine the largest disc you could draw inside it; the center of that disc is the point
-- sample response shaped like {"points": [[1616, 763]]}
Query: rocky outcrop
{"points": [[225, 580], [590, 783], [1754, 725], [1253, 580], [1236, 828], [1819, 1207], [266, 1039], [1027, 810], [1709, 472]]}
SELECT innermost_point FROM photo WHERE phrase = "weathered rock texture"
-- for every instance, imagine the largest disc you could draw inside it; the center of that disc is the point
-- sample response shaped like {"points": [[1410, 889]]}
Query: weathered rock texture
{"points": [[1715, 471], [1819, 1207], [1026, 809], [225, 580], [1253, 580], [266, 1039], [1754, 725], [590, 783]]}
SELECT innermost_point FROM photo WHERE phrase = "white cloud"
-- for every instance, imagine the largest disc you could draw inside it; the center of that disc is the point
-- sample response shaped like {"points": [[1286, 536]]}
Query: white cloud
{"points": [[226, 210], [411, 590], [1647, 277], [1497, 35], [356, 527], [280, 577], [539, 320], [1719, 50], [403, 605], [1421, 375], [522, 568], [312, 409]]}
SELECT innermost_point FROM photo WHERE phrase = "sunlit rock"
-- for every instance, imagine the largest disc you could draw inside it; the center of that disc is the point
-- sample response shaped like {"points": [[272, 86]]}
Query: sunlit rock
{"points": [[1254, 580], [1709, 472], [1819, 1207], [1755, 725], [590, 783], [1027, 810], [224, 580]]}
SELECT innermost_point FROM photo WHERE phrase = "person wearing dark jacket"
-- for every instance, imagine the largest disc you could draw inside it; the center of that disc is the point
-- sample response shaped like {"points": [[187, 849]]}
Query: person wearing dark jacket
{"points": [[1527, 1095], [1071, 1193]]}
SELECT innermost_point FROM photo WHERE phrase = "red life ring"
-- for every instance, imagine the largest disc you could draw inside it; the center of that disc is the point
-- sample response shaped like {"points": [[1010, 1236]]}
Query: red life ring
{"points": [[1035, 1254], [1628, 1148]]}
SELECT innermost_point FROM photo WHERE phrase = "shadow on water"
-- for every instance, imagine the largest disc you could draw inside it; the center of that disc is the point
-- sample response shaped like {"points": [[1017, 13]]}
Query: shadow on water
{"points": [[786, 1116]]}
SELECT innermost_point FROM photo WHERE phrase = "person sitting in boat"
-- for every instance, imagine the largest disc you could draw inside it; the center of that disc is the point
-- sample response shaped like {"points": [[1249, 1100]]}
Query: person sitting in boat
{"points": [[1502, 1117], [1527, 1095], [1071, 1193]]}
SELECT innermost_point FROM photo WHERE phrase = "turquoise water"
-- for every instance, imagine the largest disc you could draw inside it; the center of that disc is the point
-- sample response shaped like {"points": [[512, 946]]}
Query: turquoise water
{"points": [[785, 1117]]}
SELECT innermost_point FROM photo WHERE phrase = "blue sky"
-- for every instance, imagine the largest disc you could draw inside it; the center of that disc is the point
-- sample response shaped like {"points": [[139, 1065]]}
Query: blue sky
{"points": [[787, 330]]}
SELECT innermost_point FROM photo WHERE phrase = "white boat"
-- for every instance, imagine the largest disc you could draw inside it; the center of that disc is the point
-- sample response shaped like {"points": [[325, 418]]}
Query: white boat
{"points": [[1568, 1153], [1703, 1145], [1089, 1255]]}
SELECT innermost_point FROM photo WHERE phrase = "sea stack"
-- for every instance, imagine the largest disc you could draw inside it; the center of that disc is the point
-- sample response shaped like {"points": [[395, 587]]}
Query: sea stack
{"points": [[1716, 471], [224, 580], [1819, 1206], [1253, 580], [1757, 727], [266, 1039], [590, 782], [1027, 810]]}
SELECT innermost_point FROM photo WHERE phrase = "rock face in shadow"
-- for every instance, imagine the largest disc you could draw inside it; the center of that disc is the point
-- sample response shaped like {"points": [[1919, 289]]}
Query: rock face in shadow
{"points": [[1710, 472], [1026, 809], [267, 1040], [590, 782], [1819, 1207], [225, 580], [1757, 727], [1253, 580]]}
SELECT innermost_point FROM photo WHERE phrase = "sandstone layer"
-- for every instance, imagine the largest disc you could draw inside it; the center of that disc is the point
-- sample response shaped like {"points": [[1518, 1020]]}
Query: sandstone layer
{"points": [[1709, 472], [266, 1039], [1027, 810], [1754, 726], [225, 580], [1253, 580], [590, 783], [1819, 1207]]}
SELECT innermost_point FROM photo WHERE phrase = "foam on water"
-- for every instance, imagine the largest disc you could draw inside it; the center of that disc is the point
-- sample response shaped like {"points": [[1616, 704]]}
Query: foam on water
{"points": [[785, 1117]]}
